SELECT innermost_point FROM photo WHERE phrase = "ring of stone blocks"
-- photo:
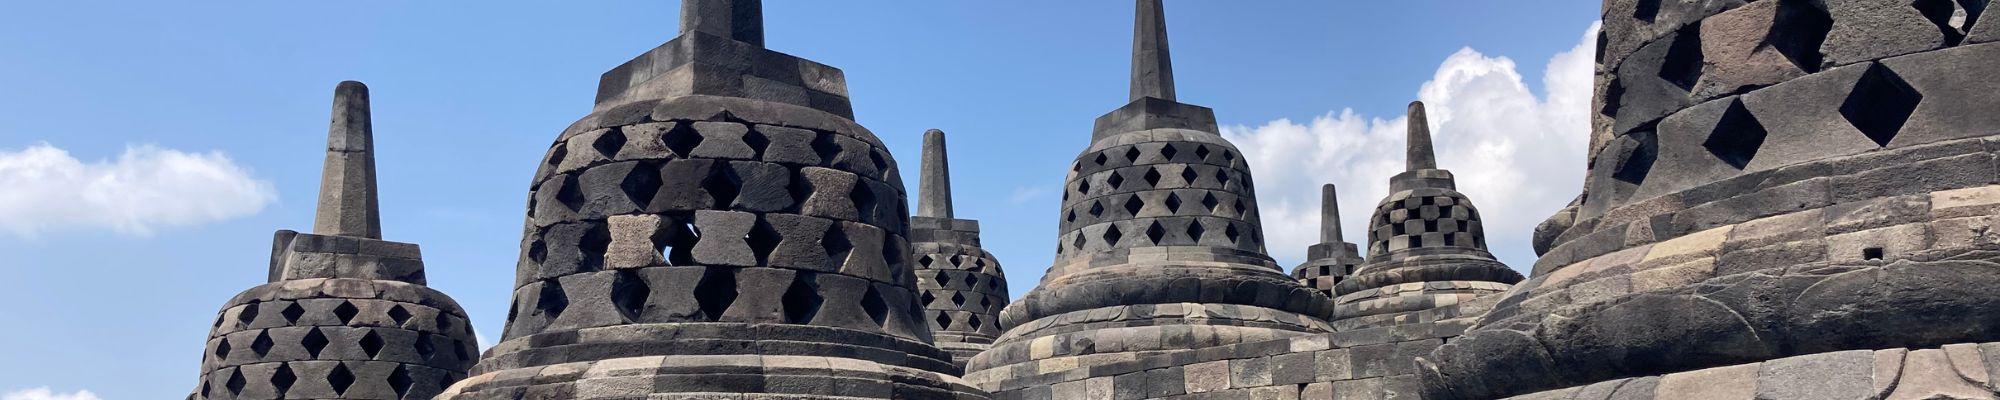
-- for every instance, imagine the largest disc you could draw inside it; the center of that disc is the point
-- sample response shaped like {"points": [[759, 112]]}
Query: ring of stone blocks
{"points": [[1143, 232], [803, 377], [1126, 316], [320, 335], [1092, 349], [1407, 302], [956, 257], [1165, 284], [1442, 268], [1853, 179], [1751, 105], [1425, 218], [325, 379], [976, 301], [691, 339], [1427, 287], [755, 295]]}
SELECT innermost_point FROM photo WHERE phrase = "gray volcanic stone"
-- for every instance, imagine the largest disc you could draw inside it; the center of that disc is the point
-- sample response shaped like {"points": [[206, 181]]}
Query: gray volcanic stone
{"points": [[1872, 29]]}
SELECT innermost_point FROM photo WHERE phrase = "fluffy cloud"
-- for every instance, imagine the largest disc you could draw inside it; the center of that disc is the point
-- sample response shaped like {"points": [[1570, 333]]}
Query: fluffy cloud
{"points": [[146, 188], [1518, 156], [43, 393]]}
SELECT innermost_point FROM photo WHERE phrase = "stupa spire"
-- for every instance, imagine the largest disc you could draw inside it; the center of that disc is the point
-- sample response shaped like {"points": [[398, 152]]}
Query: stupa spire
{"points": [[1421, 156], [1152, 64], [1329, 216], [347, 202], [934, 192], [741, 20]]}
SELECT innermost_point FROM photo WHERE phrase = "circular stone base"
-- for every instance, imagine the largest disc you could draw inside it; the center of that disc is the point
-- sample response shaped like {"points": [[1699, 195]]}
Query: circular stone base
{"points": [[1088, 338], [714, 376]]}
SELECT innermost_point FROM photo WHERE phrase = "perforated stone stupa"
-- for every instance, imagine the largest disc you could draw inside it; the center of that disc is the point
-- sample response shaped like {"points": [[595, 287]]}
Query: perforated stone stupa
{"points": [[962, 286], [1426, 246], [1160, 249], [346, 314], [1333, 259], [718, 226], [1786, 200]]}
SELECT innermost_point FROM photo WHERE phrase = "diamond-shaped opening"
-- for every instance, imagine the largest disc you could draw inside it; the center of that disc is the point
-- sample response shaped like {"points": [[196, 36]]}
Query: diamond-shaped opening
{"points": [[400, 381], [1188, 175], [958, 298], [1209, 202], [865, 201], [1152, 177], [1637, 164], [978, 264], [1079, 242], [1201, 152], [222, 349], [1646, 10], [1940, 13], [881, 163], [398, 314], [837, 246], [676, 241], [609, 143], [928, 298], [1132, 154], [371, 343], [1880, 103], [1228, 156], [1240, 207], [262, 345], [1736, 137], [757, 142], [1173, 203], [1798, 31], [826, 148], [1116, 180], [1168, 152], [314, 342], [986, 302], [1101, 159], [682, 139], [1070, 217], [925, 261], [1156, 232], [292, 312], [236, 382], [1682, 66], [629, 292], [1194, 230], [715, 292], [1096, 209], [1111, 235], [570, 193], [340, 378], [973, 322], [1133, 205], [1076, 167], [971, 281], [763, 240], [553, 300], [1231, 233], [425, 349], [557, 154], [722, 185], [538, 251], [283, 378], [1222, 177], [872, 303], [943, 320], [1083, 186], [802, 299], [642, 184], [249, 313]]}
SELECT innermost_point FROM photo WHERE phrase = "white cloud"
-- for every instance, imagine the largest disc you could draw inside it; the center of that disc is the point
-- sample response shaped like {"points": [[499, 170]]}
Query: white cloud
{"points": [[1519, 157], [44, 188], [1025, 194], [43, 393]]}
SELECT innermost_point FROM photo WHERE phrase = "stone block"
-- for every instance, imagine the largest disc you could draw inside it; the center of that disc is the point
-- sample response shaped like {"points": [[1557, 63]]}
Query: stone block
{"points": [[1208, 376], [1933, 374], [1732, 382], [1828, 376], [1250, 372], [1871, 29], [1332, 365]]}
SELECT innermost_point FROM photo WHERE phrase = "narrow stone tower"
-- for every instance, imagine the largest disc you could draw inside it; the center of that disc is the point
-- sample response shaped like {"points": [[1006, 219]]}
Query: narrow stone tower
{"points": [[719, 225], [1426, 246], [963, 288], [346, 314], [1333, 259], [1786, 199], [1160, 248]]}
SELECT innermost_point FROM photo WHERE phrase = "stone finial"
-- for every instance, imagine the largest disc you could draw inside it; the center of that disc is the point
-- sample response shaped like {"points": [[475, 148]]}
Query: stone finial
{"points": [[1329, 216], [741, 20], [1152, 65], [347, 203], [934, 194], [1421, 155]]}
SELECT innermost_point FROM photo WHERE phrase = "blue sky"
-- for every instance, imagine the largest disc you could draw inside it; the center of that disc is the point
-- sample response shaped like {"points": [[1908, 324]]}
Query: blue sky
{"points": [[152, 147]]}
